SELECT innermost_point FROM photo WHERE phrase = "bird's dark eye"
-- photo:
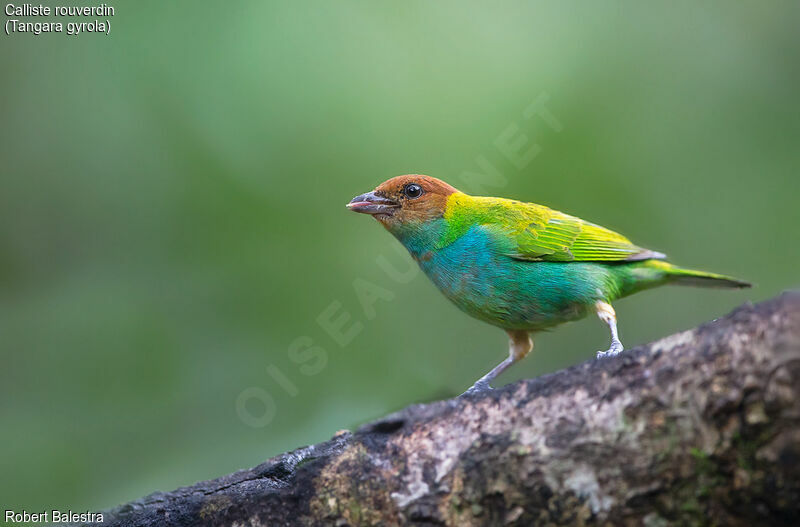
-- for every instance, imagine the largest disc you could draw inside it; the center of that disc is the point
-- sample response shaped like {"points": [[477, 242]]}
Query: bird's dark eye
{"points": [[412, 190]]}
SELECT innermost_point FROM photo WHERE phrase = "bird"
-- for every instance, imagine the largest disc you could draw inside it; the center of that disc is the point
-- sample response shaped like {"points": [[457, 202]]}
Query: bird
{"points": [[521, 267]]}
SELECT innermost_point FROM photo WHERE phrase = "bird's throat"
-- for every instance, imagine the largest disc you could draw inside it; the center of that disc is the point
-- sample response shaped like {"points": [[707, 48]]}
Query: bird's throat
{"points": [[419, 238]]}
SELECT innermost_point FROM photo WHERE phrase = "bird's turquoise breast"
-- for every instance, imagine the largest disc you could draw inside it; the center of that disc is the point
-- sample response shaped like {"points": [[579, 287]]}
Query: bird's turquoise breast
{"points": [[476, 274]]}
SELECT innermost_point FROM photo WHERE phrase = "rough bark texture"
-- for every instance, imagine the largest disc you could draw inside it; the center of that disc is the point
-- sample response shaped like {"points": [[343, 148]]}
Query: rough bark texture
{"points": [[699, 428]]}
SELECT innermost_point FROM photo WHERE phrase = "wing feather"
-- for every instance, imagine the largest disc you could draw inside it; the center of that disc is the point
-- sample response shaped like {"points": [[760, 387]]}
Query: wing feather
{"points": [[538, 233]]}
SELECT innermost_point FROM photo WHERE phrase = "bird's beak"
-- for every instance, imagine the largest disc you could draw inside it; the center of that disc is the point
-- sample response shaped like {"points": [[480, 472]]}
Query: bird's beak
{"points": [[371, 203]]}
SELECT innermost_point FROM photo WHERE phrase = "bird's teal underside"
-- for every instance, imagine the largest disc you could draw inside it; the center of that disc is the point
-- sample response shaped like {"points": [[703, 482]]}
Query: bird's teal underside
{"points": [[476, 273]]}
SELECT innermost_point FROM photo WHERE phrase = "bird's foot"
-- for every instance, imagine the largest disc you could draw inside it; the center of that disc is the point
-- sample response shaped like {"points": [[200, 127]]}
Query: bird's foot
{"points": [[607, 353], [613, 351], [478, 387]]}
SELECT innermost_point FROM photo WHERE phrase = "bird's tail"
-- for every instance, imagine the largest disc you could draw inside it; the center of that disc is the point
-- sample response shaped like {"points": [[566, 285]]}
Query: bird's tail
{"points": [[680, 276]]}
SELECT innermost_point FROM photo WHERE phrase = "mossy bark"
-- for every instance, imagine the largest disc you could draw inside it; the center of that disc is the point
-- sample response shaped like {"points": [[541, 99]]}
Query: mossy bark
{"points": [[699, 428]]}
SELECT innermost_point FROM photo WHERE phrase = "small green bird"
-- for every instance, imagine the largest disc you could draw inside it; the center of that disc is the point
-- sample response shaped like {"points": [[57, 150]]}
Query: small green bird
{"points": [[519, 266]]}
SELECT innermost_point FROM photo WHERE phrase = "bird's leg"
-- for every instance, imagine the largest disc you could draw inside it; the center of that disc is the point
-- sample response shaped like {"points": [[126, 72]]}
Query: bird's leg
{"points": [[606, 313], [519, 345]]}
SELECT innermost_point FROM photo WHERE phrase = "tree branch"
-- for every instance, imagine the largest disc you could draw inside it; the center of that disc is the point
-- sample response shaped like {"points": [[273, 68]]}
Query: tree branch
{"points": [[702, 427]]}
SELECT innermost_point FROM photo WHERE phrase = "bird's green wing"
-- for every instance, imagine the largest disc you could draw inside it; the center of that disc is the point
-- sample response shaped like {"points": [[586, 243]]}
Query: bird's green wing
{"points": [[564, 238], [537, 233]]}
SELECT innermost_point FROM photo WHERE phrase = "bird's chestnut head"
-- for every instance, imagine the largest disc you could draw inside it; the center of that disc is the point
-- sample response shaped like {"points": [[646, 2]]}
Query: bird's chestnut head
{"points": [[408, 199]]}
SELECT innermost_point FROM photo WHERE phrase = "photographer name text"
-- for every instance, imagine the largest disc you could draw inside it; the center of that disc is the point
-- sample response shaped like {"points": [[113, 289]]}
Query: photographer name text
{"points": [[54, 516]]}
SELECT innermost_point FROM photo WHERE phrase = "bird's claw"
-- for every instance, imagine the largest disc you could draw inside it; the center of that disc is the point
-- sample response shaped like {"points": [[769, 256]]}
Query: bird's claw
{"points": [[478, 387], [613, 352]]}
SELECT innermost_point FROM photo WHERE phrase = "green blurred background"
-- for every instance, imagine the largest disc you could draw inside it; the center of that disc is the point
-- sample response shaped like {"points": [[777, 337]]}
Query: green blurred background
{"points": [[172, 209]]}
